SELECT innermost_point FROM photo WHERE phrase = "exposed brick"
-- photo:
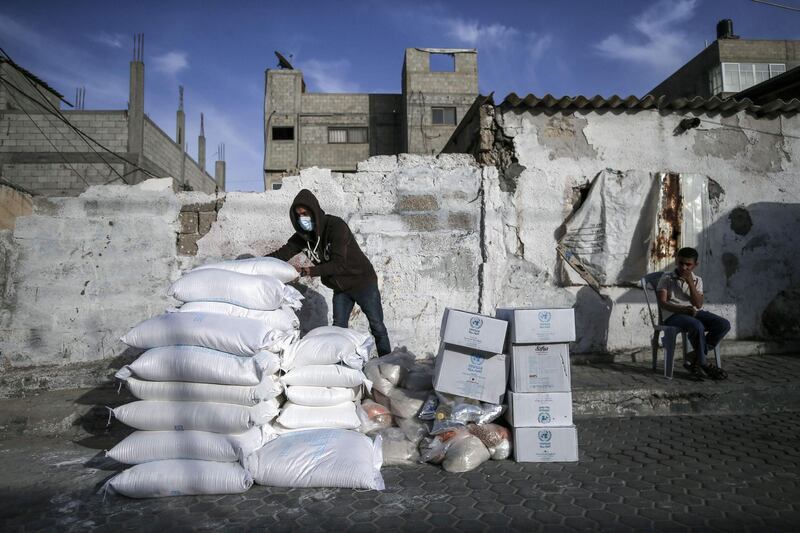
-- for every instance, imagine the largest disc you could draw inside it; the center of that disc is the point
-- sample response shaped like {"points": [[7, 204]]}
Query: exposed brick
{"points": [[187, 244], [207, 219], [461, 220], [188, 221], [422, 222], [417, 202]]}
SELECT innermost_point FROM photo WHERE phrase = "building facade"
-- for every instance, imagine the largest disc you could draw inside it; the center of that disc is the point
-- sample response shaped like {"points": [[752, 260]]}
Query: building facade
{"points": [[730, 65], [336, 131], [49, 151]]}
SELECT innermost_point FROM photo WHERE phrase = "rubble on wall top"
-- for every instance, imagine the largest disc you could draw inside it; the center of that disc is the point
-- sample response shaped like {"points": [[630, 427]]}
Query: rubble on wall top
{"points": [[660, 103]]}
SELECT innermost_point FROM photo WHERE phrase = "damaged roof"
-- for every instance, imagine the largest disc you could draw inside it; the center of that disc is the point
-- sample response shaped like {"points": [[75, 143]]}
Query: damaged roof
{"points": [[660, 103], [30, 75]]}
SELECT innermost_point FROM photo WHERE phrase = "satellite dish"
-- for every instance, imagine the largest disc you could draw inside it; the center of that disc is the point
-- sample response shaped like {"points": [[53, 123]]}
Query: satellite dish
{"points": [[283, 62]]}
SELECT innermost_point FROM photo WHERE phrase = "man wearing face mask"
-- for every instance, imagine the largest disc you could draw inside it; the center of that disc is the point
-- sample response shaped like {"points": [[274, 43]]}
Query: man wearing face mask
{"points": [[328, 242]]}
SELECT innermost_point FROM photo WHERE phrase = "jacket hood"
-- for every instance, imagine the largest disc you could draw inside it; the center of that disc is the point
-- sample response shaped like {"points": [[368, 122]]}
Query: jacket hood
{"points": [[307, 199]]}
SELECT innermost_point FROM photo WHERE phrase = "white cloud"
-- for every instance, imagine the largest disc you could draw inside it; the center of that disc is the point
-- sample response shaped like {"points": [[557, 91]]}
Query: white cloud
{"points": [[115, 40], [662, 45], [171, 62], [473, 34], [329, 76]]}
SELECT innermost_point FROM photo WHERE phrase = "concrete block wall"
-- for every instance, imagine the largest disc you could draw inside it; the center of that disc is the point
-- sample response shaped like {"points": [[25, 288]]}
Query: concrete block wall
{"points": [[18, 133], [164, 152], [61, 179], [752, 274]]}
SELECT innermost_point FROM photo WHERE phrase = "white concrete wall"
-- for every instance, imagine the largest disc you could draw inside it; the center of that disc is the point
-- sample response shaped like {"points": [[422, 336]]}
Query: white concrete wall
{"points": [[755, 161], [78, 272]]}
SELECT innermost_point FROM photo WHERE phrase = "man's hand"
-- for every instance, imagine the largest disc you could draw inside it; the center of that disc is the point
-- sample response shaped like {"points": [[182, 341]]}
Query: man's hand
{"points": [[303, 271], [689, 310], [687, 277]]}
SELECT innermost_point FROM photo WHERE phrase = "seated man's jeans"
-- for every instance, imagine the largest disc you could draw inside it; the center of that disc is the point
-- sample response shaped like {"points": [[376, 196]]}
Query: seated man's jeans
{"points": [[705, 330], [368, 299]]}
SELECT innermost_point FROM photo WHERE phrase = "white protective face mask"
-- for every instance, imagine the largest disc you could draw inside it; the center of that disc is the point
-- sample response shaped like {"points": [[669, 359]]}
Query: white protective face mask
{"points": [[306, 223]]}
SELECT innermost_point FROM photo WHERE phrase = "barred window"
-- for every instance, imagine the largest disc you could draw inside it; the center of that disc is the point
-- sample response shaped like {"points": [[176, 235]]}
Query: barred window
{"points": [[348, 135], [444, 115]]}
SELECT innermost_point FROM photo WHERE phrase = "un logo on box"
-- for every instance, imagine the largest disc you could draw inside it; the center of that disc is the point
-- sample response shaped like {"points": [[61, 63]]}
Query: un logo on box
{"points": [[545, 435], [476, 323], [545, 316]]}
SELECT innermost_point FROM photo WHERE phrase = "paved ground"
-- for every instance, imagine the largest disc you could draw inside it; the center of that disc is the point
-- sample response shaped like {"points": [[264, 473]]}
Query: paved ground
{"points": [[726, 473]]}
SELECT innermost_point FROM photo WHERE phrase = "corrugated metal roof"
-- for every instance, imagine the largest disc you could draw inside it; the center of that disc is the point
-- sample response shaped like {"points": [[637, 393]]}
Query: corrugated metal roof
{"points": [[711, 105]]}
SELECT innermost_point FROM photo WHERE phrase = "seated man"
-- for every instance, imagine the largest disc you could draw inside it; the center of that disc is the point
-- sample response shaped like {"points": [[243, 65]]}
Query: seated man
{"points": [[680, 296]]}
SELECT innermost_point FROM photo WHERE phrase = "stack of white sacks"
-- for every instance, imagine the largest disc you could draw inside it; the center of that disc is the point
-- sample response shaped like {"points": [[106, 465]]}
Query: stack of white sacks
{"points": [[318, 446], [208, 381]]}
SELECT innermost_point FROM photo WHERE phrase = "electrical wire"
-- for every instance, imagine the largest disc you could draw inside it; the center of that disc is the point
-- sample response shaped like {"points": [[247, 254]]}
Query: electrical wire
{"points": [[81, 133], [63, 157]]}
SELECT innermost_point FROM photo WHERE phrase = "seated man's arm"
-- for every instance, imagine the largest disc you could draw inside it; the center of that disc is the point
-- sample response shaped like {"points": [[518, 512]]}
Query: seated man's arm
{"points": [[663, 302]]}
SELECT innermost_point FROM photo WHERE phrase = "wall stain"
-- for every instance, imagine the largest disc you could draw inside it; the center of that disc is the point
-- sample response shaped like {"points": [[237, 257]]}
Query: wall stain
{"points": [[756, 242], [741, 223], [730, 263]]}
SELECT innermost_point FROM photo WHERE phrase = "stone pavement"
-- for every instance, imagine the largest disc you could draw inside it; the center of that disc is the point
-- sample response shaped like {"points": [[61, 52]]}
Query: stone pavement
{"points": [[715, 473]]}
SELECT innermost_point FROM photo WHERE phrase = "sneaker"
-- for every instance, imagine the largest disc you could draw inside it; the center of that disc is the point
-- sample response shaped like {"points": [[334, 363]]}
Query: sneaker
{"points": [[690, 361]]}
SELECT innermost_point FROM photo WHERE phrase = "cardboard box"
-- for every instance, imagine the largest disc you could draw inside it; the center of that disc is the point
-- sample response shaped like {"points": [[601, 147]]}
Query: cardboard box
{"points": [[546, 445], [539, 326], [474, 331], [540, 368], [471, 374], [533, 409]]}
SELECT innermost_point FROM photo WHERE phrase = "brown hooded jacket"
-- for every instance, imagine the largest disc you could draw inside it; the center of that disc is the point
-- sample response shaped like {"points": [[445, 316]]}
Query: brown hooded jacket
{"points": [[330, 245]]}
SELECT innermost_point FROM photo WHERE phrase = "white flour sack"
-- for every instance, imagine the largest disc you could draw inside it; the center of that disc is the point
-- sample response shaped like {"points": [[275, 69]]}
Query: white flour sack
{"points": [[326, 376], [182, 391], [202, 365], [322, 349], [151, 415], [364, 343], [256, 266], [319, 458], [342, 416], [283, 319], [239, 336], [253, 292], [146, 446], [178, 477], [322, 396]]}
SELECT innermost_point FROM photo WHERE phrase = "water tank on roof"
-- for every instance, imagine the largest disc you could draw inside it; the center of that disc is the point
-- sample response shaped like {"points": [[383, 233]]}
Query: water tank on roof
{"points": [[725, 29]]}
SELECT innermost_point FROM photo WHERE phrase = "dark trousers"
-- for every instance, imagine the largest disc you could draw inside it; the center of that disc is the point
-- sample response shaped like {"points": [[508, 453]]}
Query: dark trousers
{"points": [[369, 300], [705, 330]]}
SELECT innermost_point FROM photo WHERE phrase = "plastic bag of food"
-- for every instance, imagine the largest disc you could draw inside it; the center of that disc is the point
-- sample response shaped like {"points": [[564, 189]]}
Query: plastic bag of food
{"points": [[406, 403], [428, 410], [420, 377], [495, 437], [374, 417], [387, 371], [414, 428], [455, 411], [434, 449], [465, 454], [397, 450]]}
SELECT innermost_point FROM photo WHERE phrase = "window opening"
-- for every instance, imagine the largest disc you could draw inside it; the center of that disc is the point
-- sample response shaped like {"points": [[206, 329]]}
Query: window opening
{"points": [[356, 135], [282, 133], [443, 62], [443, 115]]}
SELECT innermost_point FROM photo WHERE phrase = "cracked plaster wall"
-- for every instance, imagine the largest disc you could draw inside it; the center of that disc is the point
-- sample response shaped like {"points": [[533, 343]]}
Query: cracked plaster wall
{"points": [[753, 162]]}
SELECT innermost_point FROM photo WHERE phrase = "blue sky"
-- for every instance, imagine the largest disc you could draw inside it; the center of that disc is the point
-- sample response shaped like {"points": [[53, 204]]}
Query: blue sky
{"points": [[219, 50]]}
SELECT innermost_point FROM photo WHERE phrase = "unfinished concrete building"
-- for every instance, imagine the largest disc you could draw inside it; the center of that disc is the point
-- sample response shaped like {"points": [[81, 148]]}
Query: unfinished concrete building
{"points": [[730, 65], [49, 151], [336, 131]]}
